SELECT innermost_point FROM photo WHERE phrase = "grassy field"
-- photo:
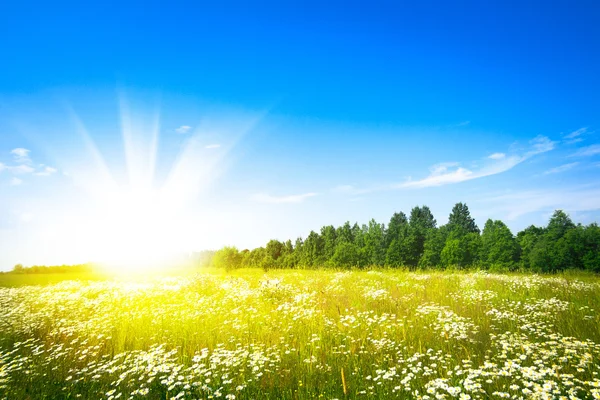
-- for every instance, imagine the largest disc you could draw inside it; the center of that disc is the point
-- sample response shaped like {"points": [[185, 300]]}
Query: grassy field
{"points": [[301, 335]]}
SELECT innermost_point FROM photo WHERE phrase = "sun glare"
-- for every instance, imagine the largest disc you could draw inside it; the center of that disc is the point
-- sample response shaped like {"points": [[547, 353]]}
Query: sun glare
{"points": [[142, 212], [138, 230]]}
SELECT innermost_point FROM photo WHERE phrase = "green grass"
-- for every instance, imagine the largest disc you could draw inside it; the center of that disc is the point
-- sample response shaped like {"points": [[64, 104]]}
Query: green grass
{"points": [[299, 335]]}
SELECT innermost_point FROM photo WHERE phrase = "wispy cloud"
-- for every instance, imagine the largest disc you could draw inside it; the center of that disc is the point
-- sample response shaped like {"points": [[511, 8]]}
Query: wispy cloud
{"points": [[514, 205], [15, 182], [449, 173], [47, 171], [575, 136], [23, 164], [452, 172], [21, 155], [463, 123], [183, 129], [540, 144], [20, 169], [212, 146], [576, 133], [587, 151], [267, 198], [562, 168]]}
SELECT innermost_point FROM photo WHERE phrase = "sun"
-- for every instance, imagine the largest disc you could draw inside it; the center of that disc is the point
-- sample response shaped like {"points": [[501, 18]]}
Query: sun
{"points": [[138, 203], [138, 230]]}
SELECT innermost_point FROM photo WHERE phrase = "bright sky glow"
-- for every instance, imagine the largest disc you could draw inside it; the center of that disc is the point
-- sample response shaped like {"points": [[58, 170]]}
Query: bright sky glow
{"points": [[130, 137]]}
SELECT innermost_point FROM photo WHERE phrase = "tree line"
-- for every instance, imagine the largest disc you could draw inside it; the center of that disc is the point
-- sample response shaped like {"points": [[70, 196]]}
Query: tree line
{"points": [[417, 242], [52, 269]]}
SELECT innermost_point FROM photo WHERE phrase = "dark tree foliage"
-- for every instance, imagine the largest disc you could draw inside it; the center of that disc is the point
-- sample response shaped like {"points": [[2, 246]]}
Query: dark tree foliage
{"points": [[417, 242], [435, 241], [275, 249], [527, 239], [374, 243], [397, 228], [344, 234], [460, 221], [499, 248], [328, 233], [421, 222]]}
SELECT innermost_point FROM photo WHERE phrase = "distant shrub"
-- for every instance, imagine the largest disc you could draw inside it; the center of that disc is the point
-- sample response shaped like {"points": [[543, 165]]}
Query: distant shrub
{"points": [[228, 258], [53, 269]]}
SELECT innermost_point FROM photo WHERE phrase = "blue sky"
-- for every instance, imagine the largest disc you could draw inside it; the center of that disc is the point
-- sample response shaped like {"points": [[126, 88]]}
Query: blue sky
{"points": [[245, 122]]}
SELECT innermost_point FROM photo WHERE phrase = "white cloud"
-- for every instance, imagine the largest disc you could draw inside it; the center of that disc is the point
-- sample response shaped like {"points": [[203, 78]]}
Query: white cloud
{"points": [[464, 123], [497, 156], [540, 144], [47, 171], [449, 173], [297, 198], [20, 169], [576, 133], [24, 165], [212, 146], [573, 141], [587, 151], [21, 155], [576, 136], [561, 168], [15, 182], [183, 129]]}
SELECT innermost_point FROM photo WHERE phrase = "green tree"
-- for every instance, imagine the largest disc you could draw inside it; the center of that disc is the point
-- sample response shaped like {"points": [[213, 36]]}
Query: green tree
{"points": [[555, 251], [329, 240], [460, 221], [313, 250], [275, 249], [560, 223], [590, 258], [347, 255], [374, 245], [254, 258], [358, 235], [299, 252], [499, 248], [540, 256], [435, 240], [527, 240], [452, 253], [420, 222], [461, 252], [344, 234], [397, 228], [395, 241], [228, 258], [396, 254]]}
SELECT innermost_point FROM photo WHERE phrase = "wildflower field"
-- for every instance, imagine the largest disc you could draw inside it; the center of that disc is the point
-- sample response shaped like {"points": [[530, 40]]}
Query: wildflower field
{"points": [[248, 334]]}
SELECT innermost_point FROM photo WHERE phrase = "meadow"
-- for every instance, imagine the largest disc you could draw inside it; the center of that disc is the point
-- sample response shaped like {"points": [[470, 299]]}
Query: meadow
{"points": [[300, 334]]}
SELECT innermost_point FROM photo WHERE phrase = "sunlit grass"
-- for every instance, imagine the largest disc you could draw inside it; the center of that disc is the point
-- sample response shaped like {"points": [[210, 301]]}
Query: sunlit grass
{"points": [[302, 334]]}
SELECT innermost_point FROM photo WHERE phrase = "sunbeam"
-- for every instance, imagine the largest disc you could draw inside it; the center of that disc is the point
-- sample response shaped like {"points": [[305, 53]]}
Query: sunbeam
{"points": [[95, 176], [131, 219]]}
